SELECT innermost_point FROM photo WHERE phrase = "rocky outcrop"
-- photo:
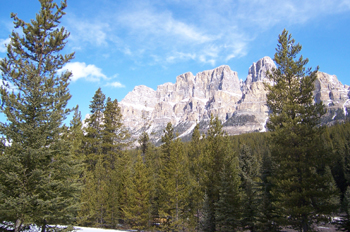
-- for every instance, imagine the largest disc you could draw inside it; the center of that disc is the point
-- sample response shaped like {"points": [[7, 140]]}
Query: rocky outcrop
{"points": [[334, 95], [241, 106]]}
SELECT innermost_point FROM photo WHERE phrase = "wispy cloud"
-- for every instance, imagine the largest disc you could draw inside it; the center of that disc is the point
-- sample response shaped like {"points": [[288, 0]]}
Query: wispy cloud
{"points": [[82, 71], [85, 31], [3, 43], [180, 56], [115, 84], [147, 22], [270, 13], [207, 32]]}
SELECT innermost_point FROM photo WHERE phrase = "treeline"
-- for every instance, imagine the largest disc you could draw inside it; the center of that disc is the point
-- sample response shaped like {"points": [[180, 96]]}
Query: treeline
{"points": [[214, 182]]}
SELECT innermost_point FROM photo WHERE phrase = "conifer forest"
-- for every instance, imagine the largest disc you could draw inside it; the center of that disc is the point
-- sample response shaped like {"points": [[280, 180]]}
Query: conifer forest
{"points": [[90, 173]]}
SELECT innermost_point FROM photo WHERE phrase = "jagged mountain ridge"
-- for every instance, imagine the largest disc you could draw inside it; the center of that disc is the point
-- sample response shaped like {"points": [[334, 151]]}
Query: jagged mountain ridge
{"points": [[240, 105]]}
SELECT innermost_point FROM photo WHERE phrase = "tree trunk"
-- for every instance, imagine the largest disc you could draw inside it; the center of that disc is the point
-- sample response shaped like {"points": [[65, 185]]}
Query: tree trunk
{"points": [[43, 228], [18, 225], [304, 223]]}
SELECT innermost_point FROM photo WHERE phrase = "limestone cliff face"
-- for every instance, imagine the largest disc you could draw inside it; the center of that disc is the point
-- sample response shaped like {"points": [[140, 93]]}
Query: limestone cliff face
{"points": [[334, 95], [241, 106]]}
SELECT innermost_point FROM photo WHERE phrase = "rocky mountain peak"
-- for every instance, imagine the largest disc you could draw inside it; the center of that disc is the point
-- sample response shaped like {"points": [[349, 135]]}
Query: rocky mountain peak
{"points": [[257, 71], [241, 106]]}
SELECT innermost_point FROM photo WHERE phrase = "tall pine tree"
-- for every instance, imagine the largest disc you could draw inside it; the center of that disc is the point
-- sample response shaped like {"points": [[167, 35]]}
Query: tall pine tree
{"points": [[197, 173], [138, 187], [37, 170], [92, 142], [251, 184], [173, 182], [214, 158], [228, 209], [302, 184]]}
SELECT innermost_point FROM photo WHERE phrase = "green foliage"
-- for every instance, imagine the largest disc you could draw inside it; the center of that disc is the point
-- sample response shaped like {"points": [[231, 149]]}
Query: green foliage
{"points": [[92, 142], [144, 142], [196, 156], [221, 182], [138, 188], [302, 186], [107, 164], [251, 183], [173, 182], [38, 175], [228, 212]]}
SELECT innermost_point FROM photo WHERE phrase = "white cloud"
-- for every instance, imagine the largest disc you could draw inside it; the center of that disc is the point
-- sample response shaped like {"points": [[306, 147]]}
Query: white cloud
{"points": [[81, 30], [3, 43], [171, 31], [147, 22], [266, 14], [168, 38], [116, 84], [180, 56], [82, 71], [204, 60]]}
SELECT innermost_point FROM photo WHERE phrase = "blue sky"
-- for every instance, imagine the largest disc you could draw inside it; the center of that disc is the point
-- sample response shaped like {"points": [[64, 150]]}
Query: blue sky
{"points": [[121, 44]]}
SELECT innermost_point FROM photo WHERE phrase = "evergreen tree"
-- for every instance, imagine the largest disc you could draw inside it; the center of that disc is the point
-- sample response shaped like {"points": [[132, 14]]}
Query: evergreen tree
{"points": [[344, 224], [214, 156], [302, 186], [267, 220], [144, 142], [167, 139], [103, 144], [250, 177], [138, 198], [152, 158], [76, 135], [37, 172], [92, 143], [197, 173], [114, 137], [174, 182], [228, 210], [92, 214]]}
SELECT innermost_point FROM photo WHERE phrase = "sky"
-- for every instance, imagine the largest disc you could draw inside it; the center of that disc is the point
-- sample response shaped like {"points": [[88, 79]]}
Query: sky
{"points": [[121, 44]]}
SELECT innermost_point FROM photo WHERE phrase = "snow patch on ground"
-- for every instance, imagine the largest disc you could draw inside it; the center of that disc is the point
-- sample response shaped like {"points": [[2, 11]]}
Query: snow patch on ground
{"points": [[34, 228], [88, 229]]}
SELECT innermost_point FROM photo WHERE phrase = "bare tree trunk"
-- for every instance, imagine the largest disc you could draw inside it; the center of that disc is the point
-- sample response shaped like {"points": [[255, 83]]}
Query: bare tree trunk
{"points": [[18, 225], [43, 228]]}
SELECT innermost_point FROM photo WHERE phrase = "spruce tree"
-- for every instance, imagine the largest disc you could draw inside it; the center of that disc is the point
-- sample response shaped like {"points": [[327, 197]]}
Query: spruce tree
{"points": [[214, 156], [251, 185], [197, 173], [138, 198], [104, 144], [92, 142], [267, 220], [228, 210], [303, 188], [114, 137], [37, 172], [90, 213], [174, 182]]}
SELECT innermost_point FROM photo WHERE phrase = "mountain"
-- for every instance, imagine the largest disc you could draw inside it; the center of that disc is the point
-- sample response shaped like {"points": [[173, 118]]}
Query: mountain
{"points": [[240, 105]]}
